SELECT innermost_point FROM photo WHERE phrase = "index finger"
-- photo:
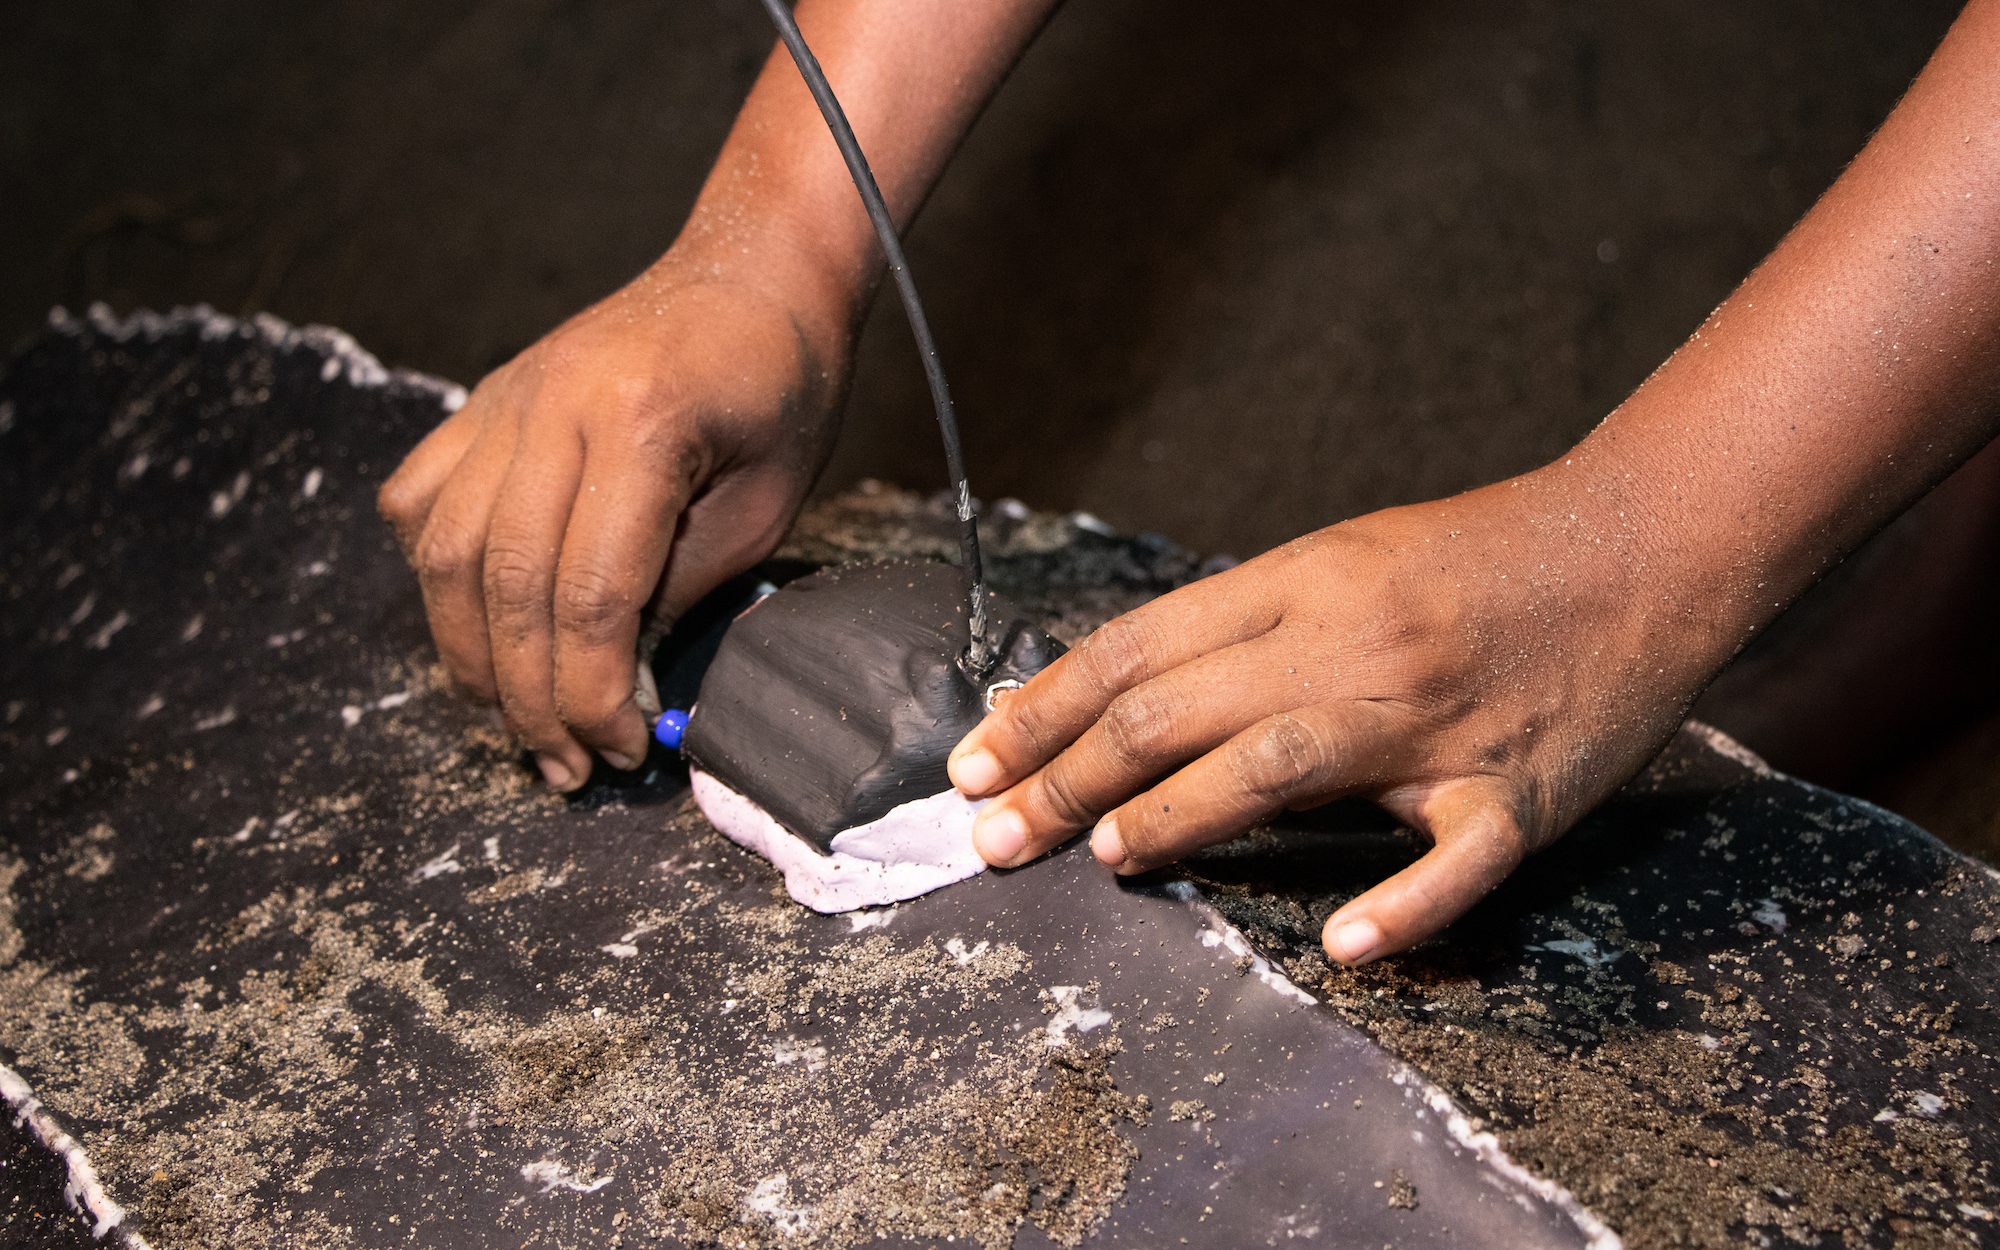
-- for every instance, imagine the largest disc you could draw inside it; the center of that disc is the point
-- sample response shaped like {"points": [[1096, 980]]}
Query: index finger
{"points": [[620, 530], [1035, 723]]}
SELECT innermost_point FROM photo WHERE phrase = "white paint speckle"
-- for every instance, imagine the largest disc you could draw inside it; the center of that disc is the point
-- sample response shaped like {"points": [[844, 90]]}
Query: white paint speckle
{"points": [[1582, 949], [552, 1176], [772, 1199], [1076, 1012], [310, 486], [351, 715], [869, 918], [109, 630], [620, 950], [1770, 915], [787, 1050], [220, 503], [227, 716], [962, 954], [151, 707], [438, 865], [192, 630]]}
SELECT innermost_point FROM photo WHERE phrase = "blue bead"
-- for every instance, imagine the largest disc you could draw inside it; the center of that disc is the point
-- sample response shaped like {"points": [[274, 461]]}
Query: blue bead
{"points": [[670, 728]]}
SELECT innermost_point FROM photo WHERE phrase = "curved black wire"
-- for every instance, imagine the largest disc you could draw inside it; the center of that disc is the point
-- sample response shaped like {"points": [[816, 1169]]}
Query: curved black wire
{"points": [[978, 655]]}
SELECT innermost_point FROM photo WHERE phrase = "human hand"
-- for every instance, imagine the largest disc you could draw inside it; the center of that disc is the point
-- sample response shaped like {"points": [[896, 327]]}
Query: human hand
{"points": [[1486, 668], [645, 451]]}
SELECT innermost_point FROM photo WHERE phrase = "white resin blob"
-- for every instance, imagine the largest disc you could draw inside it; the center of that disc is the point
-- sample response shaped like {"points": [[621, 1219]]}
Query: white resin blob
{"points": [[912, 850]]}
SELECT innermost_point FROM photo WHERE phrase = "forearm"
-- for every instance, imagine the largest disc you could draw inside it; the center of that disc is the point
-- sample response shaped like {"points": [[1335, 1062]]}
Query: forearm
{"points": [[1853, 371], [912, 75]]}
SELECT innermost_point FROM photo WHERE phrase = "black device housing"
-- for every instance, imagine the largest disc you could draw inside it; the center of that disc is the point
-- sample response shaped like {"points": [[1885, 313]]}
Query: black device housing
{"points": [[839, 696]]}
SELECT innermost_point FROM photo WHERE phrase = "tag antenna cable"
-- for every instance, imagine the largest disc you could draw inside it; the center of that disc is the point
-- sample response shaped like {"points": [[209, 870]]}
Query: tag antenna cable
{"points": [[979, 657]]}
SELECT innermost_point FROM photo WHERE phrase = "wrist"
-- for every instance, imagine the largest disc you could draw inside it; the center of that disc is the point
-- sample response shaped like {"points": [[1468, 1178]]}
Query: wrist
{"points": [[765, 253], [1686, 592]]}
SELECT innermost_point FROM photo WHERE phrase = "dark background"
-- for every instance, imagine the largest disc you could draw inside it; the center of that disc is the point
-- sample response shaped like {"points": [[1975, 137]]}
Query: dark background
{"points": [[1224, 271]]}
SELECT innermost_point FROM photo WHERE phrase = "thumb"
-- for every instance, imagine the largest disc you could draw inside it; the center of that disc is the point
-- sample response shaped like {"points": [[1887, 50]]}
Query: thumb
{"points": [[1477, 841]]}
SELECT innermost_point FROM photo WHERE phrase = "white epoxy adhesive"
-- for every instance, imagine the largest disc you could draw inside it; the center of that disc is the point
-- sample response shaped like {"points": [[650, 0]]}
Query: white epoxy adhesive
{"points": [[81, 1189], [914, 849]]}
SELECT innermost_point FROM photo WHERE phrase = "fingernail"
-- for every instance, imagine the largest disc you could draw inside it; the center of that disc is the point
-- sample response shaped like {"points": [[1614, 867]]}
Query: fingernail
{"points": [[1353, 941], [1106, 844], [1000, 837], [975, 772], [623, 763], [555, 772]]}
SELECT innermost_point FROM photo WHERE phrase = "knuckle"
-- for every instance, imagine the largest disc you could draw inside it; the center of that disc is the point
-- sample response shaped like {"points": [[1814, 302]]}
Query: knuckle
{"points": [[1061, 799], [1112, 659], [1280, 754], [446, 553], [1138, 726], [591, 606], [632, 407], [517, 583]]}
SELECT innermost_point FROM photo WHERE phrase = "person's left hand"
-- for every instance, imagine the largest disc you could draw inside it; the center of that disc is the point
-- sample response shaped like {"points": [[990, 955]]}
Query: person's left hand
{"points": [[1486, 667]]}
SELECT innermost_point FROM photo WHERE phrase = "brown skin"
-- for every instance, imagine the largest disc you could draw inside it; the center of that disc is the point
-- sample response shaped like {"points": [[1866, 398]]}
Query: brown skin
{"points": [[662, 441], [653, 446], [1486, 667], [1489, 667]]}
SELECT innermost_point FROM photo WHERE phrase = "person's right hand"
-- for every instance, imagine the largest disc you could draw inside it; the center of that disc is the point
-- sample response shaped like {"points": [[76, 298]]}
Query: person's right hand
{"points": [[645, 451]]}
